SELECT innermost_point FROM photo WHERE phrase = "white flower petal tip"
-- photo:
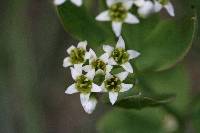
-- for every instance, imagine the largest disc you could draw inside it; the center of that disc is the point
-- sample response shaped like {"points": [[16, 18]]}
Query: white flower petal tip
{"points": [[128, 4], [120, 43], [122, 76], [127, 66], [104, 16], [90, 75], [170, 9], [77, 2], [147, 9], [113, 97], [96, 88], [108, 49], [75, 72], [67, 62], [117, 27], [84, 97], [104, 57], [82, 45], [71, 89], [111, 61], [131, 19], [59, 2], [108, 68], [70, 49], [87, 68], [133, 54], [90, 105], [126, 87]]}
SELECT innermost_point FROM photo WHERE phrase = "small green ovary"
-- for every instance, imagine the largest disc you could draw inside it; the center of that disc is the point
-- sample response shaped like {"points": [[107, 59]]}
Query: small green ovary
{"points": [[83, 84], [77, 55], [120, 55], [99, 64], [163, 2], [113, 84], [118, 12]]}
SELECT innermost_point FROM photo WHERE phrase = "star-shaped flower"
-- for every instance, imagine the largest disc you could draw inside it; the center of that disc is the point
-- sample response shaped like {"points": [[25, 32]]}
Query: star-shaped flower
{"points": [[77, 55], [100, 65], [84, 84], [118, 13], [120, 56], [114, 84], [76, 2], [145, 7], [159, 4]]}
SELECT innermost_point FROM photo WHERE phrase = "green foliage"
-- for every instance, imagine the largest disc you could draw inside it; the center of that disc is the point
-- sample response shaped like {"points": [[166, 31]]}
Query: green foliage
{"points": [[140, 101]]}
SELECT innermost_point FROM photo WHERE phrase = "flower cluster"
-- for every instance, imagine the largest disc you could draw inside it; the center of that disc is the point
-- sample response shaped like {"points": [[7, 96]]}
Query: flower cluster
{"points": [[85, 66], [118, 11]]}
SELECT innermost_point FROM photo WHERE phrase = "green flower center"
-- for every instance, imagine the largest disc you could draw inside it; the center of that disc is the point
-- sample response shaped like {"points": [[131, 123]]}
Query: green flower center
{"points": [[83, 84], [163, 2], [113, 84], [99, 64], [77, 55], [118, 12], [120, 55]]}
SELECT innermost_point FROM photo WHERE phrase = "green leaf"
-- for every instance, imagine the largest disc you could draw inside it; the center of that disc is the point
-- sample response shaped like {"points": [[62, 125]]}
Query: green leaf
{"points": [[123, 121], [170, 81], [162, 42], [82, 25], [139, 101]]}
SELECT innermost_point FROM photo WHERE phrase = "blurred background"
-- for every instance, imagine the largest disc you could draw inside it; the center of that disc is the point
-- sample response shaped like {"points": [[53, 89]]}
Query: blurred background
{"points": [[32, 79]]}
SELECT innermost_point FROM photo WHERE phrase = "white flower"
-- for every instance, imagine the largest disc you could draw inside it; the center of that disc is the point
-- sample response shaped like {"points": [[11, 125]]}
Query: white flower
{"points": [[120, 56], [84, 84], [145, 7], [159, 4], [76, 2], [77, 55], [100, 65], [113, 84], [118, 14]]}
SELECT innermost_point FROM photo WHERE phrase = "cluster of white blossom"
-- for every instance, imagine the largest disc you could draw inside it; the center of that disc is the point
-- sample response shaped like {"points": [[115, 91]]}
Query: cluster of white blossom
{"points": [[85, 65], [118, 11]]}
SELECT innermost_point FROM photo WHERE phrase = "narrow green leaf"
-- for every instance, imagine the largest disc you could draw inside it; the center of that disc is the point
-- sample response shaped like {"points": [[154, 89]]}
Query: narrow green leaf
{"points": [[139, 101]]}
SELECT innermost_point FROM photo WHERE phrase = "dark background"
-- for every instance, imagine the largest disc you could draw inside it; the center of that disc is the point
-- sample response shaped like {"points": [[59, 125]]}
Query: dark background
{"points": [[32, 80]]}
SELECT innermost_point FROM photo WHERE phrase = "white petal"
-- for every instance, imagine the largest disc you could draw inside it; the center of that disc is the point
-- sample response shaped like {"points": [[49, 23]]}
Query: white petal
{"points": [[87, 68], [96, 88], [131, 19], [117, 27], [128, 4], [146, 9], [82, 45], [70, 49], [127, 66], [111, 61], [67, 62], [157, 6], [108, 76], [108, 68], [90, 105], [90, 75], [59, 2], [110, 2], [133, 54], [122, 76], [126, 87], [84, 97], [170, 9], [103, 87], [77, 2], [120, 43], [139, 3], [92, 54], [75, 72], [108, 49], [104, 16], [71, 89], [113, 96], [104, 57]]}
